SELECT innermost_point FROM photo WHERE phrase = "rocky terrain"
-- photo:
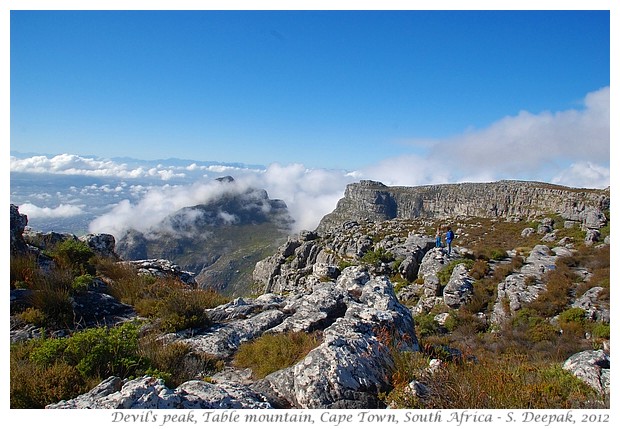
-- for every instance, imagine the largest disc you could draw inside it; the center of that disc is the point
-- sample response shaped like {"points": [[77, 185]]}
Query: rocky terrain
{"points": [[374, 290]]}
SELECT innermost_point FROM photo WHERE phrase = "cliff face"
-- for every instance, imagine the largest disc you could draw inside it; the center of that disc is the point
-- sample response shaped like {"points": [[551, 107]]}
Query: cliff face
{"points": [[374, 201]]}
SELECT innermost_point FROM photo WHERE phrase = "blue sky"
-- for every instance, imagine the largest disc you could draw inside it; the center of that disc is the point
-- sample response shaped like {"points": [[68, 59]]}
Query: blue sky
{"points": [[299, 103], [329, 89]]}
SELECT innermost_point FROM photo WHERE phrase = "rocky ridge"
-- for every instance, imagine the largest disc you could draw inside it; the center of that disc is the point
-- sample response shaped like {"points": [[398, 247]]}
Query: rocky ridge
{"points": [[374, 201]]}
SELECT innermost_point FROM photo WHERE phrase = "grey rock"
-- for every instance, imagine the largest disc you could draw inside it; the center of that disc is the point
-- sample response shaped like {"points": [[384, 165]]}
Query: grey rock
{"points": [[592, 237], [315, 311], [222, 340], [594, 308], [510, 199], [592, 367], [102, 244], [459, 288], [151, 393], [162, 268], [18, 223], [527, 232]]}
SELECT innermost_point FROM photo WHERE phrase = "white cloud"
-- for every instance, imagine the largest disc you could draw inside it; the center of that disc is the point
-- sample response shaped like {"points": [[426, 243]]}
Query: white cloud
{"points": [[583, 172], [62, 211], [83, 166], [156, 204], [526, 146], [309, 195]]}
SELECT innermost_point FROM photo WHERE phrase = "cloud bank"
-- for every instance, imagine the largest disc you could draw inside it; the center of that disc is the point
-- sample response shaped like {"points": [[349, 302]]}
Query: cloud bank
{"points": [[570, 147]]}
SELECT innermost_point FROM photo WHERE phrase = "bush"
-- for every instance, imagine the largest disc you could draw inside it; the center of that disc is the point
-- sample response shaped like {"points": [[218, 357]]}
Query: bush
{"points": [[97, 352], [557, 296], [426, 325], [75, 255], [445, 273], [81, 283], [176, 363], [479, 269], [174, 307], [33, 316], [53, 299], [24, 272], [272, 352], [376, 257]]}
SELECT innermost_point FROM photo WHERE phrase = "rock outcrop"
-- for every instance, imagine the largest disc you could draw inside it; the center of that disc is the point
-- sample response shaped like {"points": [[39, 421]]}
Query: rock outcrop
{"points": [[374, 201], [151, 393], [18, 224], [361, 322], [592, 367]]}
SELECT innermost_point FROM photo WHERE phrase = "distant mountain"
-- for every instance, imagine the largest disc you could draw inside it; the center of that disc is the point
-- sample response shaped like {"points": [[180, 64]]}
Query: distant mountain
{"points": [[220, 240]]}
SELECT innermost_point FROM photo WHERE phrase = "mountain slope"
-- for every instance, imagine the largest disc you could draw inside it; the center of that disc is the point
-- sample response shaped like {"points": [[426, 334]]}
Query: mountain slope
{"points": [[219, 240]]}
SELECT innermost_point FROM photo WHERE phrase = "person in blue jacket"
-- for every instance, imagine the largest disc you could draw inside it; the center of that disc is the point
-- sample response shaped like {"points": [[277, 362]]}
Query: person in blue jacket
{"points": [[449, 238]]}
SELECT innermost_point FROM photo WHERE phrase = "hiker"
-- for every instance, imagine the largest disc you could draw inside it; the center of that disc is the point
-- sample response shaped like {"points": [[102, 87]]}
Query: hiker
{"points": [[449, 238], [438, 238]]}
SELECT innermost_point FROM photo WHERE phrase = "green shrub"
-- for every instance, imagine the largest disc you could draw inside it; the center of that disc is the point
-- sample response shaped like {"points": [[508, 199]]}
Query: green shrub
{"points": [[426, 325], [600, 330], [76, 255], [32, 315], [376, 257], [572, 315], [97, 352], [444, 274], [272, 352], [33, 386], [175, 362], [534, 327], [81, 283], [174, 307]]}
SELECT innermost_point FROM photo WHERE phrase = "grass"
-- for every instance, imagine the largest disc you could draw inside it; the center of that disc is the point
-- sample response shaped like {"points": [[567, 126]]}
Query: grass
{"points": [[510, 381], [272, 352]]}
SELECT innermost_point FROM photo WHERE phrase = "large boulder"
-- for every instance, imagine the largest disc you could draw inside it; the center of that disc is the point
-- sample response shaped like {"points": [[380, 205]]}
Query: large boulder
{"points": [[352, 365], [102, 244], [460, 287], [592, 367]]}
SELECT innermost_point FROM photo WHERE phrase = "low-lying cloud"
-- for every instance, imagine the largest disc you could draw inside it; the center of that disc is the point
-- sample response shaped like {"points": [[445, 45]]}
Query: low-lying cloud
{"points": [[62, 211]]}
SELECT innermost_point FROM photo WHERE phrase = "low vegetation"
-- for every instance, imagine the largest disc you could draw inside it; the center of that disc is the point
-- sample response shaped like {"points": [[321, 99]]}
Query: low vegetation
{"points": [[52, 368], [508, 381], [272, 352]]}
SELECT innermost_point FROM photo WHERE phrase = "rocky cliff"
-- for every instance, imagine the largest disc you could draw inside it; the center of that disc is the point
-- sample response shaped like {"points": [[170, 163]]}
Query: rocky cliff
{"points": [[374, 201]]}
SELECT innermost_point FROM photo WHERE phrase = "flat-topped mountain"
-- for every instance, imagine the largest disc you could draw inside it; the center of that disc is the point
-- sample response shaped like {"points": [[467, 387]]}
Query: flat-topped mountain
{"points": [[374, 201]]}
